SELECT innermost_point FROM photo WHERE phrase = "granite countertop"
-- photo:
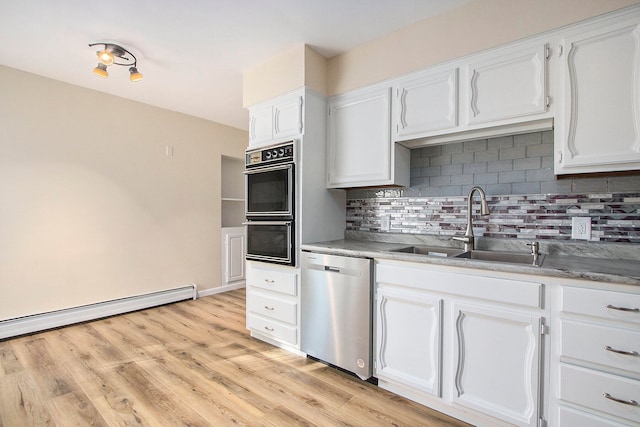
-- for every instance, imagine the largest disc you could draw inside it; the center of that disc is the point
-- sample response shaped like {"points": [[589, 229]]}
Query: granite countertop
{"points": [[558, 263]]}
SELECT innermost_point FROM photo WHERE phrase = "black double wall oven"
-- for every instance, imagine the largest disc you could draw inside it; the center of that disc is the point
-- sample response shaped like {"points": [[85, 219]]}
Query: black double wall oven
{"points": [[270, 203]]}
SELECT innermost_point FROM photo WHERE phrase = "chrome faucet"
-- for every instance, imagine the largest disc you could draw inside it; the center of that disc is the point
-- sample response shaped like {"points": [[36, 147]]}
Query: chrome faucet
{"points": [[468, 238]]}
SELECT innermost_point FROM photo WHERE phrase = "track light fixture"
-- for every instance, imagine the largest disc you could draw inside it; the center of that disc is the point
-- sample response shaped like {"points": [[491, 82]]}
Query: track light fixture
{"points": [[112, 54]]}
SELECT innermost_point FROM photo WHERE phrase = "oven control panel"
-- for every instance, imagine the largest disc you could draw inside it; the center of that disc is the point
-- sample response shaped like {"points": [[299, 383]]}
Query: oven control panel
{"points": [[282, 153]]}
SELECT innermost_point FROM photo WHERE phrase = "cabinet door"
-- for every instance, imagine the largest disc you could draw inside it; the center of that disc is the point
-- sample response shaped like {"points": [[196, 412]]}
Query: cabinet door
{"points": [[359, 140], [234, 253], [426, 103], [287, 117], [599, 126], [260, 124], [506, 87], [497, 363], [409, 333]]}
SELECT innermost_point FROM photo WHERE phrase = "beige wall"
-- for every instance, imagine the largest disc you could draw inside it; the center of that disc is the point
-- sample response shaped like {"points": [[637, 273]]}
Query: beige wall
{"points": [[91, 208], [478, 25], [291, 70]]}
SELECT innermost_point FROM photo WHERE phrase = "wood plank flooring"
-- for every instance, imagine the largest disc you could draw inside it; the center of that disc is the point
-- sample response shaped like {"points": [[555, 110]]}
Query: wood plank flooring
{"points": [[191, 363]]}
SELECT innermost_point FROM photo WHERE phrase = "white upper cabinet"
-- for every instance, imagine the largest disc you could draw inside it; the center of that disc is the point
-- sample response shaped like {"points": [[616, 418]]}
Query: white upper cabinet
{"points": [[426, 102], [359, 148], [276, 119], [507, 85], [598, 126]]}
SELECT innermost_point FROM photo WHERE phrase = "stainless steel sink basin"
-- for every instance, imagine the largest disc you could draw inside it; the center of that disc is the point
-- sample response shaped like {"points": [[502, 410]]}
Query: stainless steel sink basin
{"points": [[508, 257], [441, 251]]}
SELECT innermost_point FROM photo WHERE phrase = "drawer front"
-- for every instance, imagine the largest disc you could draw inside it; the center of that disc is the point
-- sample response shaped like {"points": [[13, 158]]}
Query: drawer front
{"points": [[273, 280], [274, 308], [272, 329], [509, 291], [606, 346], [571, 418], [587, 388], [602, 304]]}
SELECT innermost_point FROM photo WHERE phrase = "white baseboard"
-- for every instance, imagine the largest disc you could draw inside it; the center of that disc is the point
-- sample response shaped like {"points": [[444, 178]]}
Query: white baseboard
{"points": [[54, 319], [220, 289]]}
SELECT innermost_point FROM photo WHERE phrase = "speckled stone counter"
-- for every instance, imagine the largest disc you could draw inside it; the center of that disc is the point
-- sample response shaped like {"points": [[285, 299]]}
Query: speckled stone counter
{"points": [[608, 264]]}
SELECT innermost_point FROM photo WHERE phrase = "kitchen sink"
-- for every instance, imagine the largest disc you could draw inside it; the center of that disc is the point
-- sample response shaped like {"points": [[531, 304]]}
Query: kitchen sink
{"points": [[441, 251], [508, 257]]}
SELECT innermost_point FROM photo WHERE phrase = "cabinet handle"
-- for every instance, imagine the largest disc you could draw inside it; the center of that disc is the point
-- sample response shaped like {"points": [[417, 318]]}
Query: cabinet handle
{"points": [[271, 282], [625, 402], [269, 329], [613, 307], [271, 309], [626, 353]]}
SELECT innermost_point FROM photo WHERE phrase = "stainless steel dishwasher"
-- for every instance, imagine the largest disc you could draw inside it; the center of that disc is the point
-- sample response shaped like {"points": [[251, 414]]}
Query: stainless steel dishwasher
{"points": [[336, 311]]}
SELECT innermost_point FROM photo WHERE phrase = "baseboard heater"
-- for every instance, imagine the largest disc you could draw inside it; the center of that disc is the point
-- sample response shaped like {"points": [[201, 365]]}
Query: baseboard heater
{"points": [[54, 319]]}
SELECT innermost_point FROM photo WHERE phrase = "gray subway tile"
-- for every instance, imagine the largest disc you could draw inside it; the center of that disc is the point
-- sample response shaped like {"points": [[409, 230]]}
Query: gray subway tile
{"points": [[441, 160], [510, 177], [589, 185], [451, 169], [461, 158], [439, 181], [501, 142], [525, 188], [452, 148], [513, 153], [500, 166], [431, 171], [528, 139], [433, 150], [474, 168], [479, 145], [462, 179], [498, 189], [556, 186], [485, 178], [623, 183], [486, 156], [540, 150], [540, 175], [528, 163]]}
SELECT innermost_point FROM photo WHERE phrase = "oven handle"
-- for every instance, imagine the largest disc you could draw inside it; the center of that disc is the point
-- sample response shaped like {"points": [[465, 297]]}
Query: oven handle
{"points": [[268, 168], [268, 223]]}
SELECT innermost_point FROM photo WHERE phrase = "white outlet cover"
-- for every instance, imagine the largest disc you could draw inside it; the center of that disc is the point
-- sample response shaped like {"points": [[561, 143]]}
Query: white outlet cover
{"points": [[581, 228]]}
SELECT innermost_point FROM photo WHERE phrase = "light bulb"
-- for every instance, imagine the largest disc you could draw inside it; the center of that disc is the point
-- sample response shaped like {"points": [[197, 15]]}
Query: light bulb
{"points": [[105, 57]]}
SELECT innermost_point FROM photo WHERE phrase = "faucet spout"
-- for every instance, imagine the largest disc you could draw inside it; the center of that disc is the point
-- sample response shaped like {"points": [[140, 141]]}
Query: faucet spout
{"points": [[468, 238]]}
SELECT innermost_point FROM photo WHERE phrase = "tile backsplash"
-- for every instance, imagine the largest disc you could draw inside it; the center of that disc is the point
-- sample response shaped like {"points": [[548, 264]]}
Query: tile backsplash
{"points": [[525, 198]]}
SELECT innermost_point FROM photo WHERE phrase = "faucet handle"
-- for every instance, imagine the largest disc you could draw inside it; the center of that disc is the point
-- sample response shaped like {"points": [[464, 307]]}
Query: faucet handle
{"points": [[535, 247]]}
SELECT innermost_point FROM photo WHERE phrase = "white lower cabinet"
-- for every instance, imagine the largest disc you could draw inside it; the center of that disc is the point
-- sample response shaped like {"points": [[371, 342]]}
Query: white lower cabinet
{"points": [[273, 303], [597, 379], [461, 342], [410, 355], [497, 358]]}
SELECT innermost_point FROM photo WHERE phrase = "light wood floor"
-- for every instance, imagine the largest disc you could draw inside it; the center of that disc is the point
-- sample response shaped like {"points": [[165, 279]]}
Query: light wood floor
{"points": [[191, 363]]}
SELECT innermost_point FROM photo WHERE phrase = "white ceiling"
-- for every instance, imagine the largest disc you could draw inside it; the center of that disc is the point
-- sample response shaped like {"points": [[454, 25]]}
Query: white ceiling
{"points": [[191, 52]]}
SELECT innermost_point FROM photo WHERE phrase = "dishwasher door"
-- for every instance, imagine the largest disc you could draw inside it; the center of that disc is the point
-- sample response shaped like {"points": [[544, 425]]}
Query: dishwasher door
{"points": [[336, 311]]}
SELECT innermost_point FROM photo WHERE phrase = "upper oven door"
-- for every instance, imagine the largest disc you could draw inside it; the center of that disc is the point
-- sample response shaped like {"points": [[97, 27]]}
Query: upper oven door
{"points": [[270, 191]]}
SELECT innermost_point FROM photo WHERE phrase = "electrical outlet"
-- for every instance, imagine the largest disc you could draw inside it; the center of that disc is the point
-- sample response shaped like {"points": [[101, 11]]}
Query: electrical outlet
{"points": [[581, 228], [385, 223]]}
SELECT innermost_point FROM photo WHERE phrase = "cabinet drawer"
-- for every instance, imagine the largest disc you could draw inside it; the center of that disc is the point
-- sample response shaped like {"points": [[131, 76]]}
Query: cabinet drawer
{"points": [[273, 280], [274, 308], [602, 304], [569, 417], [587, 388], [597, 344], [272, 329]]}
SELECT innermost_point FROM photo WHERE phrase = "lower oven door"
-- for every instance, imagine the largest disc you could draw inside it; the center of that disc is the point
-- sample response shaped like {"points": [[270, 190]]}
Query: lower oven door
{"points": [[270, 241]]}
